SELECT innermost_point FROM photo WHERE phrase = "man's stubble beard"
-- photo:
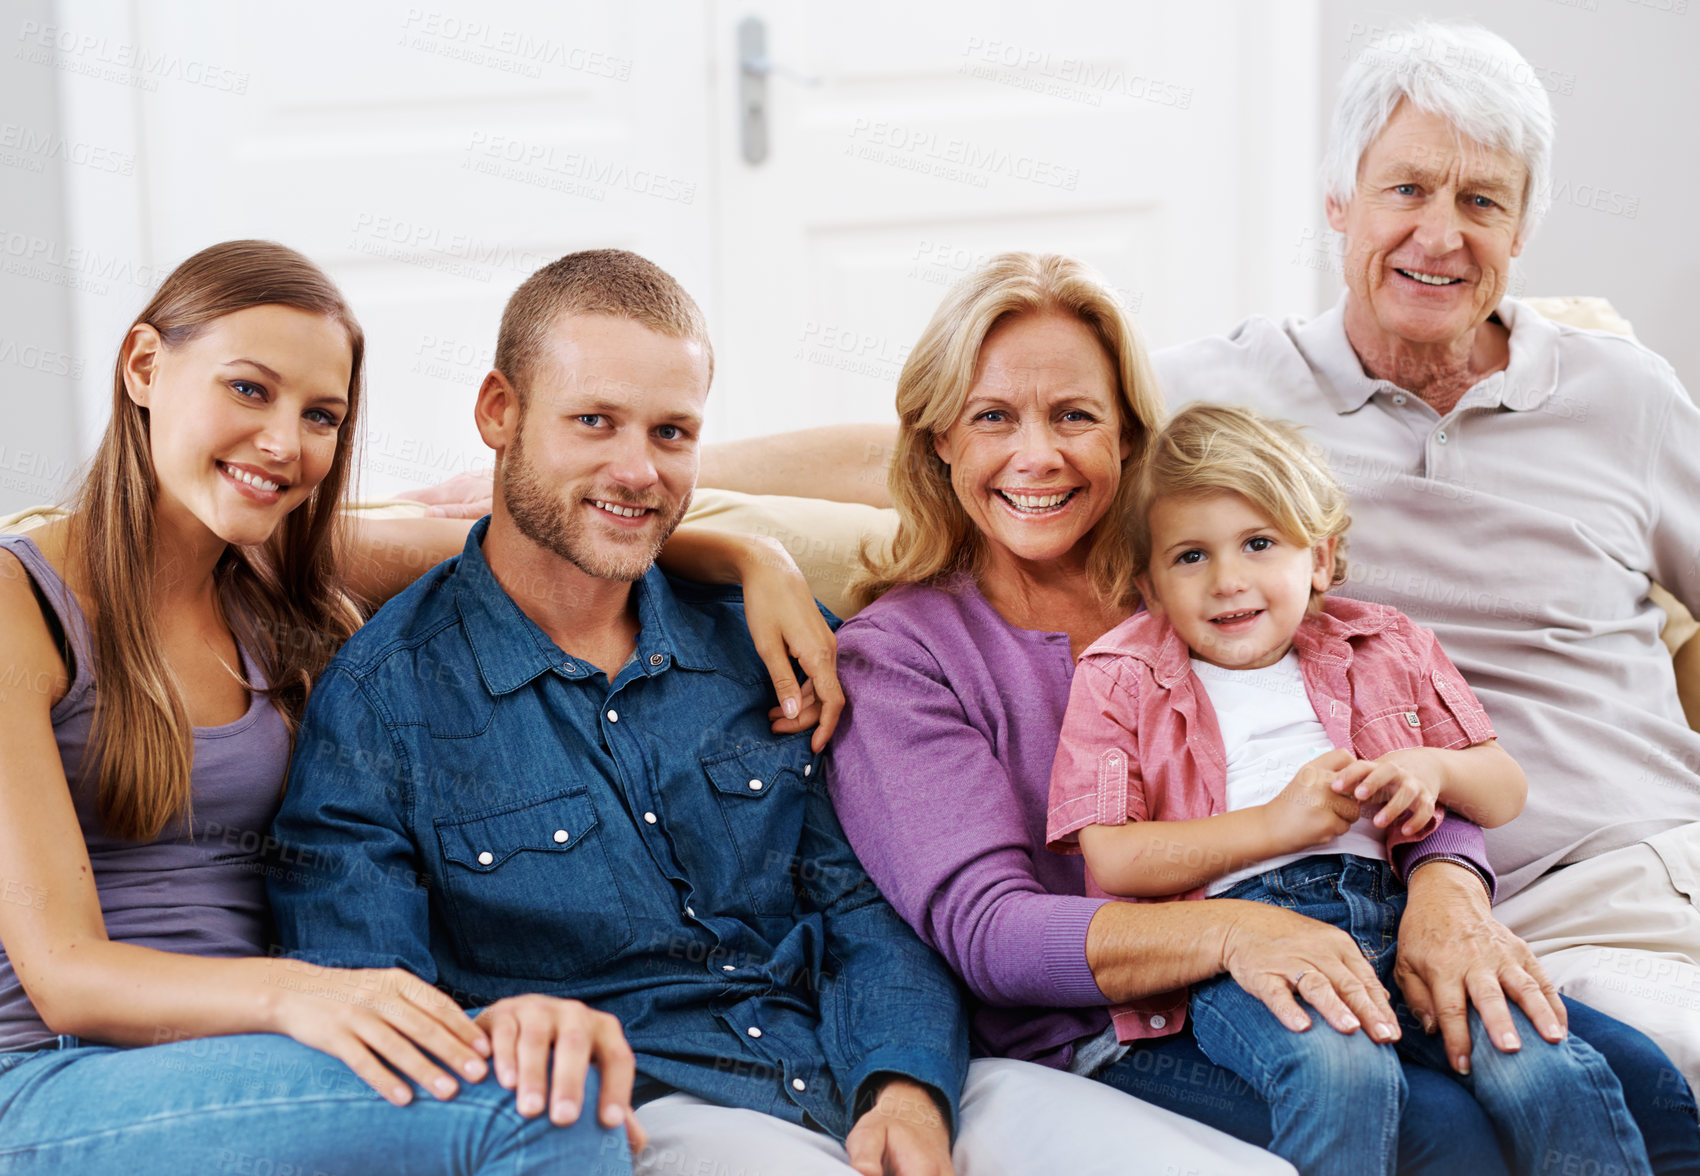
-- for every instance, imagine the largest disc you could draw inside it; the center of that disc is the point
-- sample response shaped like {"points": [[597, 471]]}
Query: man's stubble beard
{"points": [[556, 526]]}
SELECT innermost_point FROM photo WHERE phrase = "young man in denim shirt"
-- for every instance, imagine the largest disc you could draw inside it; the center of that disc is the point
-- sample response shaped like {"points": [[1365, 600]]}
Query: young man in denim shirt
{"points": [[543, 777]]}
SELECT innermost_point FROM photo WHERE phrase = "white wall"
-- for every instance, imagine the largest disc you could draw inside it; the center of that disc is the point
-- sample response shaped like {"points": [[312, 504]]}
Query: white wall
{"points": [[1626, 167], [1626, 164], [38, 370]]}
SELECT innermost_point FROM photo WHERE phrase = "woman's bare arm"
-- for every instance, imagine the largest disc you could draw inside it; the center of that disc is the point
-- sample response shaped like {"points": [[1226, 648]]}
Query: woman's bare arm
{"points": [[82, 983]]}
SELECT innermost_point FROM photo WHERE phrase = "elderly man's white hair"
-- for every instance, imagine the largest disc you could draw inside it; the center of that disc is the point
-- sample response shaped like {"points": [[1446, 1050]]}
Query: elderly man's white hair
{"points": [[1461, 72]]}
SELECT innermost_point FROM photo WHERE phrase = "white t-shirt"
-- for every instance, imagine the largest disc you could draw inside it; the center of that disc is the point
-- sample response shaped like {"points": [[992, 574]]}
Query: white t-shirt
{"points": [[1270, 731]]}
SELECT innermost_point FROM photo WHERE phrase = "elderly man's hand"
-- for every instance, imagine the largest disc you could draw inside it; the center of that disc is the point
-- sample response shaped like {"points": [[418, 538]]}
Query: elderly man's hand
{"points": [[468, 495], [1453, 954]]}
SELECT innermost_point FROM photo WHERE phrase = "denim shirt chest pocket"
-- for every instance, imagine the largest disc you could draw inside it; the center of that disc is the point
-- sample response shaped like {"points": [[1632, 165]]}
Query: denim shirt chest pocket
{"points": [[529, 889], [761, 791]]}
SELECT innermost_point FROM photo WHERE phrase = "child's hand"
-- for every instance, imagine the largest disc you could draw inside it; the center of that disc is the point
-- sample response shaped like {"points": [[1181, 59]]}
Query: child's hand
{"points": [[1404, 782], [1310, 810]]}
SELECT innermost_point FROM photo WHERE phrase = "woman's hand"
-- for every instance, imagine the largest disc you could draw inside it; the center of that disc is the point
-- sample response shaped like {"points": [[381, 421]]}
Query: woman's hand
{"points": [[785, 623], [468, 495], [1403, 782], [1276, 954], [377, 1018]]}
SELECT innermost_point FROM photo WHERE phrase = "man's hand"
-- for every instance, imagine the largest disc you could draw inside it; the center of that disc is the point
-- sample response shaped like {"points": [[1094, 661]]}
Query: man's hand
{"points": [[1308, 811], [1276, 954], [1404, 782], [468, 495], [524, 1029], [1453, 954], [902, 1134]]}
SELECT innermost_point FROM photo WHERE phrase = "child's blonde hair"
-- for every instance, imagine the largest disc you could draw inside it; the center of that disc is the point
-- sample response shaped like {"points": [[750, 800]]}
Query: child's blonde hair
{"points": [[1210, 449]]}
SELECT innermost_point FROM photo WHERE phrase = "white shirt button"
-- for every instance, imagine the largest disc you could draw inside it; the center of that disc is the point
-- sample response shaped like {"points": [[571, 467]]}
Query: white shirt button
{"points": [[799, 1084], [486, 858], [807, 768], [755, 785], [753, 1031], [1158, 1020], [690, 912], [649, 818], [1398, 398], [561, 835], [613, 717], [728, 967], [1441, 436]]}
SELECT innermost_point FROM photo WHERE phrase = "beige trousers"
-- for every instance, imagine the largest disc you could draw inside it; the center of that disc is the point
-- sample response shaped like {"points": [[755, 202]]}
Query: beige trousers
{"points": [[1621, 932], [1017, 1119]]}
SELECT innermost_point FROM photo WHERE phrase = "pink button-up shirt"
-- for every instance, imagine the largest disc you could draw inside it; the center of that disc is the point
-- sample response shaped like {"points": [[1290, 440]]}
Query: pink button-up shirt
{"points": [[1140, 740]]}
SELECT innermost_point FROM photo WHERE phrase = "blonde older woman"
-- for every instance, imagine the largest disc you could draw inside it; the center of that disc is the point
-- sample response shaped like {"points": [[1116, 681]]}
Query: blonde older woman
{"points": [[1022, 408]]}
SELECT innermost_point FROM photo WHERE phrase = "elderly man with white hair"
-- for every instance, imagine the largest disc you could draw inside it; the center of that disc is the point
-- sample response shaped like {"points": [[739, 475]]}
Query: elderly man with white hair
{"points": [[1517, 486], [1492, 506]]}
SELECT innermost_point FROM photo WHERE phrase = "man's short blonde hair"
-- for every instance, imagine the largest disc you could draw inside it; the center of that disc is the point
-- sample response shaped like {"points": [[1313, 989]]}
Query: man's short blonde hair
{"points": [[613, 282], [1210, 449]]}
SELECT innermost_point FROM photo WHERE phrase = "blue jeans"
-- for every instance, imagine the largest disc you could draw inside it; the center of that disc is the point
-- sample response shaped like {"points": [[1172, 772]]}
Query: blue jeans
{"points": [[1173, 1073], [1336, 1099], [265, 1105]]}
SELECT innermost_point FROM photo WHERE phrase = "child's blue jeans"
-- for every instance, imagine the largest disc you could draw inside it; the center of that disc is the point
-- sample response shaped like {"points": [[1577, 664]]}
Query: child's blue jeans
{"points": [[1336, 1098]]}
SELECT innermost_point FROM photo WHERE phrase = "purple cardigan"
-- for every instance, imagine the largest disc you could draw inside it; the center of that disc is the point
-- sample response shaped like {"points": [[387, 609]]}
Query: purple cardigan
{"points": [[940, 771]]}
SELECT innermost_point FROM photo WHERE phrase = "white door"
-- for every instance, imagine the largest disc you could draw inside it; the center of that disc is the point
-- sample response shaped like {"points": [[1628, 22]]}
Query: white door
{"points": [[429, 156], [1172, 145]]}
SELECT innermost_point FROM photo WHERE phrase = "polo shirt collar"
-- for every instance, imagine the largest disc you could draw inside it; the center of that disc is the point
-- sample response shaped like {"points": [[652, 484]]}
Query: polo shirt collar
{"points": [[1527, 382], [511, 649]]}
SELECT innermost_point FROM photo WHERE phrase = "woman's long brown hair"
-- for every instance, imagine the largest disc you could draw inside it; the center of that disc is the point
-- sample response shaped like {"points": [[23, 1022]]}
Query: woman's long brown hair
{"points": [[290, 612]]}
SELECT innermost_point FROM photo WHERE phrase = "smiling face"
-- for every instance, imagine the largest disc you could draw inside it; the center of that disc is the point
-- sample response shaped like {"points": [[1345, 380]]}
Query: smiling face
{"points": [[244, 418], [599, 467], [1430, 233], [1036, 454], [1231, 584]]}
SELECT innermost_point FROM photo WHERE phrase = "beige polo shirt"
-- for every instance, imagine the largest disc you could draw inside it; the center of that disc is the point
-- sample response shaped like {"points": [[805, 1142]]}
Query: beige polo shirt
{"points": [[1524, 527]]}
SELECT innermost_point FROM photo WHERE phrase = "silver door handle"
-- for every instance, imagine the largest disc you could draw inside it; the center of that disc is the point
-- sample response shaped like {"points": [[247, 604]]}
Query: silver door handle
{"points": [[754, 68]]}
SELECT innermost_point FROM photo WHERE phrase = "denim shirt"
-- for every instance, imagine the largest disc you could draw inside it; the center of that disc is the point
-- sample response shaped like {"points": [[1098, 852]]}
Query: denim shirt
{"points": [[470, 803]]}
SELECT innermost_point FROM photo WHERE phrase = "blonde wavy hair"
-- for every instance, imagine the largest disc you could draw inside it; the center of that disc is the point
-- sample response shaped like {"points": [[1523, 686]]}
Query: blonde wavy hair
{"points": [[935, 537], [1210, 449]]}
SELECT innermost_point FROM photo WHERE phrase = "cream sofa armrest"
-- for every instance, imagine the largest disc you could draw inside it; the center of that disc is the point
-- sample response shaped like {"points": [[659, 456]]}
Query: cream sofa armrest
{"points": [[824, 537], [29, 519]]}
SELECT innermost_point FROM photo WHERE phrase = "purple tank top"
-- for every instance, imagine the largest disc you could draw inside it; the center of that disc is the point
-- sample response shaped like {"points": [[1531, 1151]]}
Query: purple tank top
{"points": [[202, 892]]}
